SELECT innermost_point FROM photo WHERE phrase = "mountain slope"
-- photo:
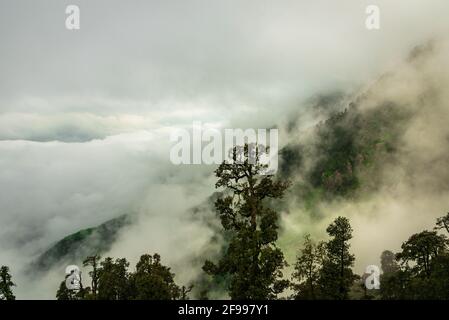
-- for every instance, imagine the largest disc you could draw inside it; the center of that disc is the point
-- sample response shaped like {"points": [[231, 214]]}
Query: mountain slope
{"points": [[81, 244]]}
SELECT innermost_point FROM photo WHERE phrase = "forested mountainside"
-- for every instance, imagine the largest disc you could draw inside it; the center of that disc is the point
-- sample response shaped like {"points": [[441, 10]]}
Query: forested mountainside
{"points": [[342, 155], [81, 244]]}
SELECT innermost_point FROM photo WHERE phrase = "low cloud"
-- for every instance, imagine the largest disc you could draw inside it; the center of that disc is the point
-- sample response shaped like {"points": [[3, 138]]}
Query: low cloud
{"points": [[85, 116]]}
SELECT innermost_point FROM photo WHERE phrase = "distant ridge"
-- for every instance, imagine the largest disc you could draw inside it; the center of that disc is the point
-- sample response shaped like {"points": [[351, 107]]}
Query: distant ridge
{"points": [[79, 245]]}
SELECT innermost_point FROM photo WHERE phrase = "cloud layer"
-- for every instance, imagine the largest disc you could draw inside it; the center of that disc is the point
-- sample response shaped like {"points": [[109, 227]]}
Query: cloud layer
{"points": [[85, 116]]}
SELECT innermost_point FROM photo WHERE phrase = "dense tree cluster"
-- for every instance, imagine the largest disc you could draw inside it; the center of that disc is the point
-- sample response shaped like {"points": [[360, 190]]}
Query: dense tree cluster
{"points": [[421, 269], [111, 280], [324, 270]]}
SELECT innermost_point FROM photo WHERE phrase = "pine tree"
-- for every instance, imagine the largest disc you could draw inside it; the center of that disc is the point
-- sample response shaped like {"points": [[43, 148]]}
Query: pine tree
{"points": [[252, 260], [336, 276]]}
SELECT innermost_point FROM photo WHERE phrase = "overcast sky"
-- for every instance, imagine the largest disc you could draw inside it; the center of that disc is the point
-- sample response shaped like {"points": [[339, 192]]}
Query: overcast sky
{"points": [[171, 62], [85, 115]]}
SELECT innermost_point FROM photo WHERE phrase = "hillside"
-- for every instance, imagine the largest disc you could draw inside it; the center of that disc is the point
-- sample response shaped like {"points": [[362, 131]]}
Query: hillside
{"points": [[77, 246]]}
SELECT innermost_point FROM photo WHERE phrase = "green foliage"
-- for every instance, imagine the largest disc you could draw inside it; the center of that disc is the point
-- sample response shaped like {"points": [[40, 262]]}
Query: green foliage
{"points": [[346, 150], [423, 270], [336, 276], [291, 160], [83, 243], [307, 270], [324, 270], [111, 280], [388, 262], [93, 261], [64, 293], [252, 260], [337, 146], [395, 285], [421, 249], [6, 284], [154, 281]]}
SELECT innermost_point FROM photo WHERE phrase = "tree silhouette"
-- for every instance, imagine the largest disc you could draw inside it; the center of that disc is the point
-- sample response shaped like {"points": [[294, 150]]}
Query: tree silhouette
{"points": [[423, 269], [94, 262], [6, 284], [336, 275], [420, 249], [252, 260], [153, 281], [307, 270]]}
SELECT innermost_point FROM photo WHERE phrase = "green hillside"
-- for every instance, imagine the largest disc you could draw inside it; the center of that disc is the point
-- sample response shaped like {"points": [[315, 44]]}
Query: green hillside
{"points": [[81, 244]]}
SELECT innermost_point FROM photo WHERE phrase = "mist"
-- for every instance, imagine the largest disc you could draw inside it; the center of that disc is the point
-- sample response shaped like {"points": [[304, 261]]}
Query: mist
{"points": [[85, 118], [405, 191]]}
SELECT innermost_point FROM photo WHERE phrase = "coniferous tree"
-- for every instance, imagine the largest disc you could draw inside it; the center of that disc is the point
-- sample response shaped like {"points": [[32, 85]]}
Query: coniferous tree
{"points": [[94, 262], [336, 276], [307, 270], [252, 260], [6, 284]]}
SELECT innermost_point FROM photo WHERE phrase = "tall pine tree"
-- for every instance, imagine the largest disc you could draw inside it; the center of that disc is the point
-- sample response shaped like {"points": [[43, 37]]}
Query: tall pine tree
{"points": [[336, 276]]}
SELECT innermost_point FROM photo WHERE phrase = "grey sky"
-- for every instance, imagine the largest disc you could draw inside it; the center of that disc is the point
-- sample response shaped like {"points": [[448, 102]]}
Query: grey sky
{"points": [[85, 115], [160, 58]]}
